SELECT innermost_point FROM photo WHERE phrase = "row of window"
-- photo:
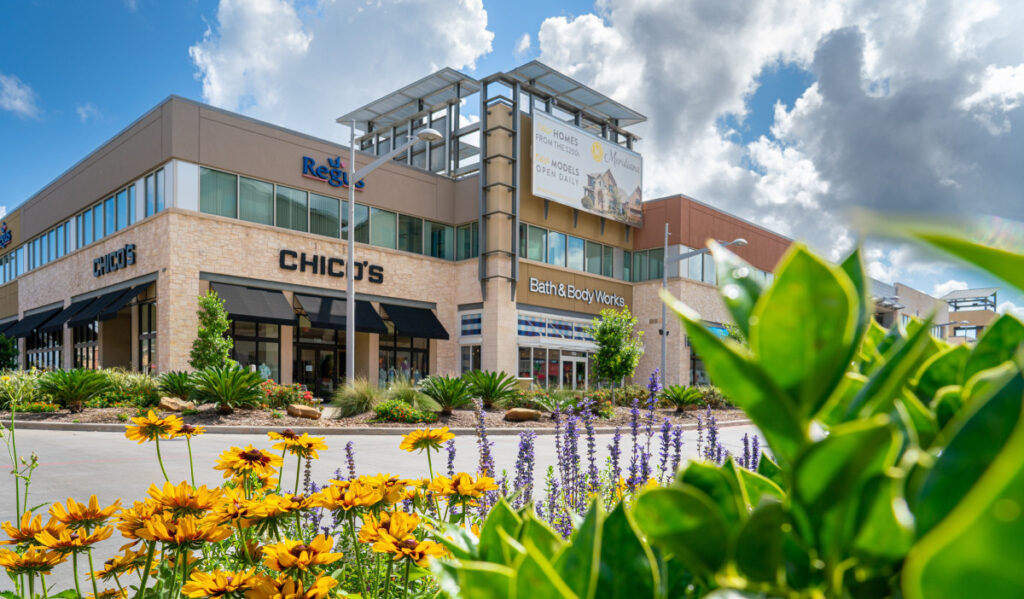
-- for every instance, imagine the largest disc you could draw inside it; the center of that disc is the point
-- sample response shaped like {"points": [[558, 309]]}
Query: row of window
{"points": [[10, 265], [49, 246], [252, 200], [552, 247], [533, 325], [647, 265]]}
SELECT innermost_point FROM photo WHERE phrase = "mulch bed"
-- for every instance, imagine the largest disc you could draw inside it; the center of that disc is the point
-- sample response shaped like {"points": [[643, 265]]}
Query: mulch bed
{"points": [[208, 416]]}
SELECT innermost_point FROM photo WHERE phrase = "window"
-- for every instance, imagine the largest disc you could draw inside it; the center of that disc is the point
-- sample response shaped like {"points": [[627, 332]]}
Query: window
{"points": [[556, 248], [709, 269], [467, 240], [122, 209], [85, 234], [440, 240], [627, 265], [537, 243], [323, 216], [109, 217], [257, 345], [656, 261], [255, 201], [150, 188], [362, 222], [696, 267], [382, 228], [523, 234], [594, 254], [639, 266], [608, 261], [86, 341], [471, 324], [402, 357], [131, 204], [410, 234], [43, 350], [470, 358], [574, 257], [61, 235], [292, 209], [97, 221], [218, 193], [147, 336]]}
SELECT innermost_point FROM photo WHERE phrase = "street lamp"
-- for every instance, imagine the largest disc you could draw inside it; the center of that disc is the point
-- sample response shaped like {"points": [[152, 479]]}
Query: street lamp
{"points": [[664, 284], [428, 135]]}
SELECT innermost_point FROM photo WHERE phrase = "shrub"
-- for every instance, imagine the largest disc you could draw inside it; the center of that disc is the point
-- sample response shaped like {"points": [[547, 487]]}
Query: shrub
{"points": [[111, 399], [281, 396], [211, 347], [682, 397], [123, 417], [396, 410], [38, 407], [449, 392], [404, 390], [491, 387], [19, 386], [712, 396], [534, 399], [229, 387], [176, 383], [619, 345], [72, 388], [357, 397], [276, 415]]}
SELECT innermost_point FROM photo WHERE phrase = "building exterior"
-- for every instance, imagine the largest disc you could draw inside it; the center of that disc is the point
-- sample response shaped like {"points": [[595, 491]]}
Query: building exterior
{"points": [[492, 248], [971, 312]]}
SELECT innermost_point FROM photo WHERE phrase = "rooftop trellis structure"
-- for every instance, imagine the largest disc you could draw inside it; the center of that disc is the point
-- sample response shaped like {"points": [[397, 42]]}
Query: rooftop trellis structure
{"points": [[972, 299]]}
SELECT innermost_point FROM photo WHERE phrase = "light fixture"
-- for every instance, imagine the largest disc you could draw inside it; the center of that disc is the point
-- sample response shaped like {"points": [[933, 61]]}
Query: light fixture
{"points": [[430, 135]]}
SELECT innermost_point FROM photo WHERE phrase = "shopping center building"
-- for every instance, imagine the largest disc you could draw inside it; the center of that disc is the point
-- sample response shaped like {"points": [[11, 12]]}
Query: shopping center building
{"points": [[493, 248]]}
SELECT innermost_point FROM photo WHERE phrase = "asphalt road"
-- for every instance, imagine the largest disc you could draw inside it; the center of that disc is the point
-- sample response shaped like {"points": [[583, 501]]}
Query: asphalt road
{"points": [[73, 464]]}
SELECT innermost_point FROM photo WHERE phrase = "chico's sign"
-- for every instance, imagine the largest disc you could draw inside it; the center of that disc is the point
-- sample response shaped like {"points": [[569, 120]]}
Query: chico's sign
{"points": [[114, 261], [569, 291], [328, 266]]}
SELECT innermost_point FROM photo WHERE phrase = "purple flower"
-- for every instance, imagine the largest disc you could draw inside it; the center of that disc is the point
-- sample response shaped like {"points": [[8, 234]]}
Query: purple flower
{"points": [[350, 458], [653, 388], [720, 454], [450, 448], [614, 453], [593, 482], [486, 465], [654, 384], [525, 461], [745, 458], [755, 454], [571, 461], [700, 436], [665, 443], [712, 448], [677, 451], [634, 433]]}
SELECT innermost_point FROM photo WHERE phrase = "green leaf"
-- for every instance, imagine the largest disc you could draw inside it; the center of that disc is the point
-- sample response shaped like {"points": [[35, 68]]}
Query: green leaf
{"points": [[734, 594], [536, 578], [767, 468], [853, 266], [627, 567], [997, 344], [745, 383], [758, 553], [511, 549], [757, 487], [473, 580], [923, 420], [884, 385], [942, 369], [885, 526], [685, 522], [720, 486], [737, 285], [501, 516], [976, 551], [974, 440], [947, 403], [835, 410], [579, 561], [540, 534], [804, 328], [1006, 265]]}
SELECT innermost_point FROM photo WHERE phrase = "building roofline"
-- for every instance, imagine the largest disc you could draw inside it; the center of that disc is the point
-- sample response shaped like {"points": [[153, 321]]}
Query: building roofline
{"points": [[717, 209]]}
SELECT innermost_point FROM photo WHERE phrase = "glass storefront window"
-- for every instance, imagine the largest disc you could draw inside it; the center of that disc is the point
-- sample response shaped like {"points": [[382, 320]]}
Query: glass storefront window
{"points": [[382, 228], [122, 209], [695, 267], [554, 368], [537, 243], [556, 248], [292, 209], [470, 358], [97, 221], [525, 363], [467, 241], [608, 261], [440, 240], [594, 254], [656, 259], [86, 342], [109, 216], [323, 215], [540, 360], [362, 222], [255, 201], [410, 234], [218, 193], [258, 348], [575, 254], [147, 337]]}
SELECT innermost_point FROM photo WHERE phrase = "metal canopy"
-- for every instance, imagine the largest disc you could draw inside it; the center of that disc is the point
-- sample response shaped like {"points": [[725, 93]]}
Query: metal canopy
{"points": [[569, 92], [428, 94], [964, 294]]}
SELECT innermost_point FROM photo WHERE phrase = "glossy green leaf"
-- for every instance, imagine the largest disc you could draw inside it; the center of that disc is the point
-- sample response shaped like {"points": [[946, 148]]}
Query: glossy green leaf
{"points": [[974, 439], [720, 485], [511, 549], [540, 534], [734, 594], [757, 487], [804, 328], [947, 403], [885, 526], [745, 383], [536, 578], [853, 266], [884, 385], [976, 551], [1006, 265], [997, 344], [737, 285], [473, 580], [579, 561], [942, 369], [684, 522], [925, 424], [501, 516], [627, 567], [767, 468], [758, 553], [835, 409]]}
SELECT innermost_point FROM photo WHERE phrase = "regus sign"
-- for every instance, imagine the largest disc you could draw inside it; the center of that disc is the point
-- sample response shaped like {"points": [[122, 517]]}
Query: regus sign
{"points": [[569, 291]]}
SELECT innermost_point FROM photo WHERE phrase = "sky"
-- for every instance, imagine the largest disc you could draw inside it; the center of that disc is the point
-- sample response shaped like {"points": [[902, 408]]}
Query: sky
{"points": [[789, 113]]}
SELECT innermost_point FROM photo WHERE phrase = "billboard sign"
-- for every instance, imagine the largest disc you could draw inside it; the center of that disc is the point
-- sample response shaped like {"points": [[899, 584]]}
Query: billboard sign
{"points": [[575, 168]]}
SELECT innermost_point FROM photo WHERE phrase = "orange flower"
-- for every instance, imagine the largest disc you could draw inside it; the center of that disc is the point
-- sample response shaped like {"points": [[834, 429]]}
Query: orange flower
{"points": [[80, 515], [300, 445], [345, 495], [398, 525], [188, 431], [238, 461], [218, 583], [426, 438], [133, 520], [418, 551], [289, 588], [182, 500], [33, 560], [187, 531], [29, 528], [293, 555], [73, 541], [126, 563], [150, 428]]}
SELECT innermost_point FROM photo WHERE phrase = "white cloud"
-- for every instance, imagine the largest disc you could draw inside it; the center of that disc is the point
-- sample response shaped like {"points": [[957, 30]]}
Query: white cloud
{"points": [[17, 97], [304, 67], [1011, 308], [941, 289], [87, 111], [523, 45]]}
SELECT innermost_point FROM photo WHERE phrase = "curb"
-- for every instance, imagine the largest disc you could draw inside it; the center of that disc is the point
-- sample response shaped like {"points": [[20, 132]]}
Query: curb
{"points": [[105, 427]]}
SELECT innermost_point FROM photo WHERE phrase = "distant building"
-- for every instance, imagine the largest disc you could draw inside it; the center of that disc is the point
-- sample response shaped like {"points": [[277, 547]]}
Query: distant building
{"points": [[959, 316], [971, 311]]}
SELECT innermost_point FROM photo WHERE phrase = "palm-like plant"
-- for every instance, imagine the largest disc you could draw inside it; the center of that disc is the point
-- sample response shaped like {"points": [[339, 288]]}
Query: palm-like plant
{"points": [[491, 387], [449, 392], [72, 388], [682, 396], [229, 387], [177, 383]]}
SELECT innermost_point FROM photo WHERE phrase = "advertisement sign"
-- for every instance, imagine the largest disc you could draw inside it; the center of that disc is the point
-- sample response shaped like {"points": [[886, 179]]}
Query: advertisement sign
{"points": [[575, 168]]}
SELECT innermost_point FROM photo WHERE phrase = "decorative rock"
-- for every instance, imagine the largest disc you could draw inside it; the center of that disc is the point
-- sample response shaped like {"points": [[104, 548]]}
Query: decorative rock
{"points": [[301, 411], [173, 404], [522, 415]]}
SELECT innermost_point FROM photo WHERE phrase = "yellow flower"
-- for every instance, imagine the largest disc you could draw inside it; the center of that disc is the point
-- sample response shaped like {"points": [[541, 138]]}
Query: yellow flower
{"points": [[182, 500], [238, 461], [285, 587], [188, 431], [126, 563], [285, 435], [150, 428], [109, 594], [5, 378], [33, 560], [290, 555], [426, 438], [29, 528], [218, 583], [237, 510], [398, 525], [393, 489], [345, 495], [304, 445], [72, 541], [80, 515], [418, 551], [186, 531], [133, 520]]}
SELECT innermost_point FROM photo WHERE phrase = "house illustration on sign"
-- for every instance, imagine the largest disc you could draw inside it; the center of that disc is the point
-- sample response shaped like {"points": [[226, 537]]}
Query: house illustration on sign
{"points": [[602, 193]]}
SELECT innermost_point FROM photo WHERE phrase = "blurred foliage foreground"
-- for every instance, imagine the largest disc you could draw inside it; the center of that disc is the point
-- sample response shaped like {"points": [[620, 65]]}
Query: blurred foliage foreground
{"points": [[898, 465]]}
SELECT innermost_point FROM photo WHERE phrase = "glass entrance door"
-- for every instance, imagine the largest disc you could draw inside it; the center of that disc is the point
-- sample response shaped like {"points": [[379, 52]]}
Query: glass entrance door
{"points": [[317, 369], [574, 372]]}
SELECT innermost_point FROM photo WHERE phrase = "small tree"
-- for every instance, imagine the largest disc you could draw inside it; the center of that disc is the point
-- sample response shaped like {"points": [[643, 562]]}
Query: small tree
{"points": [[619, 345], [211, 346], [8, 353]]}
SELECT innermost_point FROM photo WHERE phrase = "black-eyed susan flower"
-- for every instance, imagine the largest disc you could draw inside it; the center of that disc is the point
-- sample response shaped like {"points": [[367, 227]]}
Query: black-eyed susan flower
{"points": [[410, 548], [34, 560], [219, 583], [151, 428], [239, 462], [295, 555], [395, 524], [125, 563], [426, 438], [81, 515], [187, 431], [183, 500], [236, 510], [300, 445], [285, 435], [109, 594], [346, 495], [67, 540], [27, 529], [187, 531], [287, 587], [464, 485], [133, 519]]}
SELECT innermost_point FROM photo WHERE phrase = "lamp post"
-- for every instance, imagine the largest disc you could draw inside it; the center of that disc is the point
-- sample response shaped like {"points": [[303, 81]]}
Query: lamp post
{"points": [[427, 135], [664, 285]]}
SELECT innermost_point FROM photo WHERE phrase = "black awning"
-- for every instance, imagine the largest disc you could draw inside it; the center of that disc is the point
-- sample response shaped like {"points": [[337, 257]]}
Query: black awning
{"points": [[91, 311], [67, 314], [117, 302], [329, 313], [30, 323], [415, 322], [7, 325], [257, 305]]}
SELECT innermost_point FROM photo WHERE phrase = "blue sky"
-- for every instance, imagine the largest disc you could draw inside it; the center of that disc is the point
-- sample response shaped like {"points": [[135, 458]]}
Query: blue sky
{"points": [[73, 74]]}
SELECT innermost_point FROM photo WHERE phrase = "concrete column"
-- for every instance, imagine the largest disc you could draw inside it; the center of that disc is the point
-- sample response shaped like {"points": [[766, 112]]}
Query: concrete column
{"points": [[135, 336], [498, 350], [368, 356], [287, 355], [68, 355]]}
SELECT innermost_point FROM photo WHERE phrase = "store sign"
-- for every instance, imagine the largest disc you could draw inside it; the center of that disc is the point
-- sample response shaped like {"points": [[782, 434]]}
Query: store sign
{"points": [[575, 168], [582, 294], [333, 173], [6, 235], [114, 261], [328, 266]]}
